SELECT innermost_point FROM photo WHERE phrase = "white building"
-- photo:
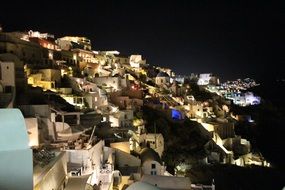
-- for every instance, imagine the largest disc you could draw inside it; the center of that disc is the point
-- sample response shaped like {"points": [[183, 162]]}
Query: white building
{"points": [[207, 78], [121, 118], [136, 61], [94, 96], [151, 140], [114, 83], [151, 162], [244, 99], [69, 42], [97, 161], [250, 99], [7, 84], [45, 78], [162, 79]]}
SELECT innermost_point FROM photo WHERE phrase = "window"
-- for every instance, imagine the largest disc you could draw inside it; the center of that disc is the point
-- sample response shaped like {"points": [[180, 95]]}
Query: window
{"points": [[8, 89], [152, 166]]}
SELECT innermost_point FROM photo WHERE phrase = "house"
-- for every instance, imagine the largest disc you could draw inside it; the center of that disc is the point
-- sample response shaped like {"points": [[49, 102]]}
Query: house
{"points": [[7, 84], [121, 118], [177, 90], [96, 161], [122, 59], [45, 78], [127, 99], [111, 83], [136, 61], [26, 51], [250, 99], [154, 141], [73, 42], [94, 96], [151, 163], [207, 78], [162, 78]]}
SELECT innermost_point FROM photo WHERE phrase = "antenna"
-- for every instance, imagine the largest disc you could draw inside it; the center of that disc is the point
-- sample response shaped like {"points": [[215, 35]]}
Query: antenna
{"points": [[155, 134], [91, 136]]}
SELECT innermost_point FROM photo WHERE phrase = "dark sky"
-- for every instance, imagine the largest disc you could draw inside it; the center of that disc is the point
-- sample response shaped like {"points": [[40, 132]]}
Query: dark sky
{"points": [[233, 39]]}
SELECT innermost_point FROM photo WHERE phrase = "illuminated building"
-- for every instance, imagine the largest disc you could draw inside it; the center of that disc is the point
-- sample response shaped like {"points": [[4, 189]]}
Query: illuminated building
{"points": [[162, 78], [28, 52], [111, 83], [136, 61], [121, 118], [122, 59], [36, 34], [74, 42], [84, 56], [151, 162], [153, 140], [43, 39], [207, 78], [45, 78]]}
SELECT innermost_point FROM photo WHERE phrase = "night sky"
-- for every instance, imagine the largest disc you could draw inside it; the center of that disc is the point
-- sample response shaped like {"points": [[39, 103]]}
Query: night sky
{"points": [[233, 39]]}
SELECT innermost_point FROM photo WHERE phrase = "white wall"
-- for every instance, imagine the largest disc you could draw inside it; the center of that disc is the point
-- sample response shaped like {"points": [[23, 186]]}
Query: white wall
{"points": [[51, 75], [33, 132], [161, 80], [115, 82], [89, 158], [158, 142], [7, 73], [147, 167], [55, 175]]}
